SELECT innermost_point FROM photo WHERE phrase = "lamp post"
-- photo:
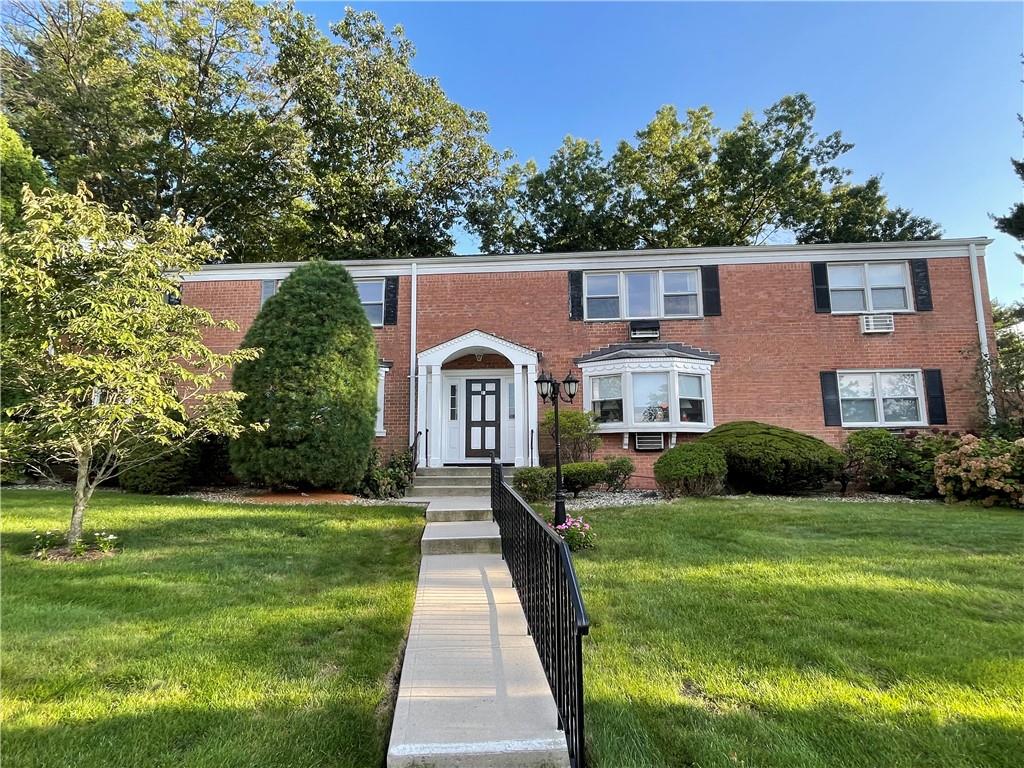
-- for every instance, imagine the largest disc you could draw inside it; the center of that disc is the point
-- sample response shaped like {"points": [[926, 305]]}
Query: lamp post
{"points": [[551, 391]]}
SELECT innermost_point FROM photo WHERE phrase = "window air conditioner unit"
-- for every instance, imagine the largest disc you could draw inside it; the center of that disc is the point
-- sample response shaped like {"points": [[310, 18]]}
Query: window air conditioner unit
{"points": [[650, 441], [644, 329], [877, 324]]}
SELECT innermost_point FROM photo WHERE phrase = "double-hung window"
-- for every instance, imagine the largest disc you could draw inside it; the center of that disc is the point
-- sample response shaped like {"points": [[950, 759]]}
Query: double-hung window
{"points": [[881, 398], [606, 399], [641, 295], [869, 287], [371, 296], [691, 398]]}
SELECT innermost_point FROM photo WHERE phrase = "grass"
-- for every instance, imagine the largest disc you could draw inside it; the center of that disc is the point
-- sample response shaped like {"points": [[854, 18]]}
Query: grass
{"points": [[758, 633], [222, 635]]}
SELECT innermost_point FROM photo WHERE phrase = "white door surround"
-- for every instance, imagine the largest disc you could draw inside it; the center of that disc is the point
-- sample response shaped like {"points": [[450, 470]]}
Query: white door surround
{"points": [[442, 401]]}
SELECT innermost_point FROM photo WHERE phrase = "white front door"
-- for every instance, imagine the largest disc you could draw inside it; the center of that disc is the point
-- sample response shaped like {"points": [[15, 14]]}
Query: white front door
{"points": [[479, 416]]}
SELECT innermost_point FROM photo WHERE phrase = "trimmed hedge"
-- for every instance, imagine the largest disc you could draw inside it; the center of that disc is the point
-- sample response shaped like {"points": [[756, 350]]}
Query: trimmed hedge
{"points": [[764, 458], [583, 475], [535, 483], [618, 471], [167, 474], [691, 469]]}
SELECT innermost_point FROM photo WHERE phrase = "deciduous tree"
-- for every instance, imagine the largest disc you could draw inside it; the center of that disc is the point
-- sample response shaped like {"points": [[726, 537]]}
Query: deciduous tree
{"points": [[98, 364], [18, 166]]}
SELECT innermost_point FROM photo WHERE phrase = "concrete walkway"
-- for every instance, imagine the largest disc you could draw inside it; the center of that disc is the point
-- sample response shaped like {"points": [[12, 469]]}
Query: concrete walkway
{"points": [[472, 691]]}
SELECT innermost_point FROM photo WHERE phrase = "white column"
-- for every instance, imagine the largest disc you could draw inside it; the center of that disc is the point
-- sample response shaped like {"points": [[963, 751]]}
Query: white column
{"points": [[436, 416], [522, 435], [531, 408], [421, 413]]}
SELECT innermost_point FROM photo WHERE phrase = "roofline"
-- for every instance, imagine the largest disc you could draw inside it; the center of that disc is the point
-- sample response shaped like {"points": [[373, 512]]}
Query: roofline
{"points": [[651, 257]]}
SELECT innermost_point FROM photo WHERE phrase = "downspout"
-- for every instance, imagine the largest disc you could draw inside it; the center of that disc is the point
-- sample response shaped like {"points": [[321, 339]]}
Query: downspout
{"points": [[979, 314], [413, 378]]}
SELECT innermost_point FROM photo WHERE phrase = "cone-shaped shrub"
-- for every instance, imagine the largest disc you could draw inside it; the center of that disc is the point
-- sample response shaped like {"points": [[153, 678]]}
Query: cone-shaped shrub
{"points": [[314, 386]]}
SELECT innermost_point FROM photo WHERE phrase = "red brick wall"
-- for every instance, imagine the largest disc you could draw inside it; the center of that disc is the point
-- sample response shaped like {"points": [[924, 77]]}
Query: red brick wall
{"points": [[772, 343]]}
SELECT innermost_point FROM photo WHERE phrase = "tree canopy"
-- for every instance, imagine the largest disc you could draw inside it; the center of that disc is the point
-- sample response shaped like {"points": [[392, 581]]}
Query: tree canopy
{"points": [[314, 388], [278, 139], [98, 365], [687, 182], [18, 166]]}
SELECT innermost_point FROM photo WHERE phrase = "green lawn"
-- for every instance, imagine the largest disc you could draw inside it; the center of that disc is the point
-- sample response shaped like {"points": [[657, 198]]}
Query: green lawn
{"points": [[223, 635], [757, 633]]}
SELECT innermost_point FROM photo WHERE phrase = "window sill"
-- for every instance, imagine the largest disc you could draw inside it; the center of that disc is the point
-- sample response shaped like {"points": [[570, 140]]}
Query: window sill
{"points": [[663, 426], [902, 425], [381, 433], [628, 319], [859, 312]]}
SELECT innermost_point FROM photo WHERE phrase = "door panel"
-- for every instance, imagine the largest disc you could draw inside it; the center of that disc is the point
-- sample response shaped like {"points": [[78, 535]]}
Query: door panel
{"points": [[483, 417]]}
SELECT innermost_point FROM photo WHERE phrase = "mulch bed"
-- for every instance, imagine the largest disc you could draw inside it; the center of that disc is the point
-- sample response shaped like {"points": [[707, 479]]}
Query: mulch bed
{"points": [[65, 555]]}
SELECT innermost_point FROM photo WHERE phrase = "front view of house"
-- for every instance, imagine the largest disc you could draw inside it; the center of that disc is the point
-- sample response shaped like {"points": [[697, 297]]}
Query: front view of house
{"points": [[668, 343]]}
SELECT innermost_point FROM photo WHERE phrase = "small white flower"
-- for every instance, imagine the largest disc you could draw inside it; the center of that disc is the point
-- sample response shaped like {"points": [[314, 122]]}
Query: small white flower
{"points": [[85, 243]]}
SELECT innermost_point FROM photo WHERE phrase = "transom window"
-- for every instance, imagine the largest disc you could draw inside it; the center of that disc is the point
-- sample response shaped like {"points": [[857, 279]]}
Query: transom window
{"points": [[371, 295], [635, 398], [869, 287], [642, 295], [881, 398]]}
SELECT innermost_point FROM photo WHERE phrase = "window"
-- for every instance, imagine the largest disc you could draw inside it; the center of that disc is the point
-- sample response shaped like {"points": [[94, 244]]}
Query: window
{"points": [[602, 293], [453, 402], [371, 295], [606, 400], [381, 373], [267, 289], [869, 287], [650, 397], [669, 395], [681, 294], [881, 398], [511, 400], [691, 398], [642, 295]]}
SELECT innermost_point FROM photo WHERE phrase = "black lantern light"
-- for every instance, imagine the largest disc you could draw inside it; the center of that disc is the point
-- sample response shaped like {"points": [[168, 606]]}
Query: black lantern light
{"points": [[551, 391]]}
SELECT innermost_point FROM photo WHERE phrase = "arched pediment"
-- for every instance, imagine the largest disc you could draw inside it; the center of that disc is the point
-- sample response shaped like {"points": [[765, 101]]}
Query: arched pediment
{"points": [[477, 342]]}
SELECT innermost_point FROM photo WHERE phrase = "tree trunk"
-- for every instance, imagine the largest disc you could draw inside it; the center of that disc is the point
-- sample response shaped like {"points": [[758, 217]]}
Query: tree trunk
{"points": [[83, 492]]}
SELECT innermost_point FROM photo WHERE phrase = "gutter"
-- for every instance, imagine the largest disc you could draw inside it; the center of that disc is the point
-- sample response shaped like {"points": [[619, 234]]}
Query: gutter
{"points": [[413, 377], [979, 314]]}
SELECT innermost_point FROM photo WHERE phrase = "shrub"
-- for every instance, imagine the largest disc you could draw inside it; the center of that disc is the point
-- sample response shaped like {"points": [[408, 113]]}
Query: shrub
{"points": [[169, 471], [387, 481], [617, 472], [691, 469], [577, 431], [582, 475], [535, 483], [763, 458], [314, 388], [989, 470], [576, 532], [886, 462], [213, 466]]}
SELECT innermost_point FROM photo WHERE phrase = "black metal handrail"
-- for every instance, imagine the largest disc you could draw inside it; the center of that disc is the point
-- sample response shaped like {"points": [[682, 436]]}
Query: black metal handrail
{"points": [[414, 451], [545, 580]]}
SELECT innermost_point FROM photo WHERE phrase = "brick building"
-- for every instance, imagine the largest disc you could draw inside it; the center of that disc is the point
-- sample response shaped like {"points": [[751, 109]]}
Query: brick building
{"points": [[667, 343]]}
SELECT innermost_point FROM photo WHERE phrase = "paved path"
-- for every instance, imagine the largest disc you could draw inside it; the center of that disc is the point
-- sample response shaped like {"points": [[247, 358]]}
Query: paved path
{"points": [[472, 691]]}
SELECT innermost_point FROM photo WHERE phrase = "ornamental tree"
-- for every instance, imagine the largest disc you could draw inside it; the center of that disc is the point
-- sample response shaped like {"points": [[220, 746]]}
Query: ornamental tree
{"points": [[98, 364], [314, 389]]}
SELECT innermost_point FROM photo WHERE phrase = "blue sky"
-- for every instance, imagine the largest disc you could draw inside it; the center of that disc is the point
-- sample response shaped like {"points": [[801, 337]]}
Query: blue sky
{"points": [[928, 92]]}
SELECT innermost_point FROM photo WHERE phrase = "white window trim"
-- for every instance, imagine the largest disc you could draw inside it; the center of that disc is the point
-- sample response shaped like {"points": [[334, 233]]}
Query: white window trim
{"points": [[907, 286], [382, 372], [383, 298], [921, 400], [669, 366], [659, 287]]}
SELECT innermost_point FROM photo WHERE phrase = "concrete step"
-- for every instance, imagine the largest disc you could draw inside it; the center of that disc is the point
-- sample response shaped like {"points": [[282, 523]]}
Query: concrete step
{"points": [[482, 471], [461, 538], [435, 515], [432, 481], [473, 691], [436, 491]]}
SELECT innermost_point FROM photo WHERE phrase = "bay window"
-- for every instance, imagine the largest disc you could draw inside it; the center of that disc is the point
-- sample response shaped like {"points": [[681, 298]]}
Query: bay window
{"points": [[881, 398], [671, 394], [869, 287]]}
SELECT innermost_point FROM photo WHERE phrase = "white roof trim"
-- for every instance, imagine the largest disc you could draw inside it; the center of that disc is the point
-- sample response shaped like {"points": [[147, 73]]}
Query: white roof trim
{"points": [[639, 259], [464, 344]]}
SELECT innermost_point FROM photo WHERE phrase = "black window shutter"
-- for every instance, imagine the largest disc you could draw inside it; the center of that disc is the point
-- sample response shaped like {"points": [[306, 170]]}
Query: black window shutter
{"points": [[712, 295], [922, 285], [575, 295], [935, 396], [391, 300], [819, 278], [267, 289], [830, 399]]}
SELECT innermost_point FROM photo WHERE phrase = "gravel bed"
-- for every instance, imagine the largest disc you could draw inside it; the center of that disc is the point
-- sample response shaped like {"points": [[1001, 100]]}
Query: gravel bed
{"points": [[598, 499]]}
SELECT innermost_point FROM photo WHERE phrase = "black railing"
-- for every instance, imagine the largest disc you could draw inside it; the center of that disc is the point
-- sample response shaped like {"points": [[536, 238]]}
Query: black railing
{"points": [[414, 451], [545, 580]]}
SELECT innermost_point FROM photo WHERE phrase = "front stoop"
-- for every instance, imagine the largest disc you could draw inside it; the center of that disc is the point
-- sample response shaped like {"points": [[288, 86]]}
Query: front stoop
{"points": [[472, 691]]}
